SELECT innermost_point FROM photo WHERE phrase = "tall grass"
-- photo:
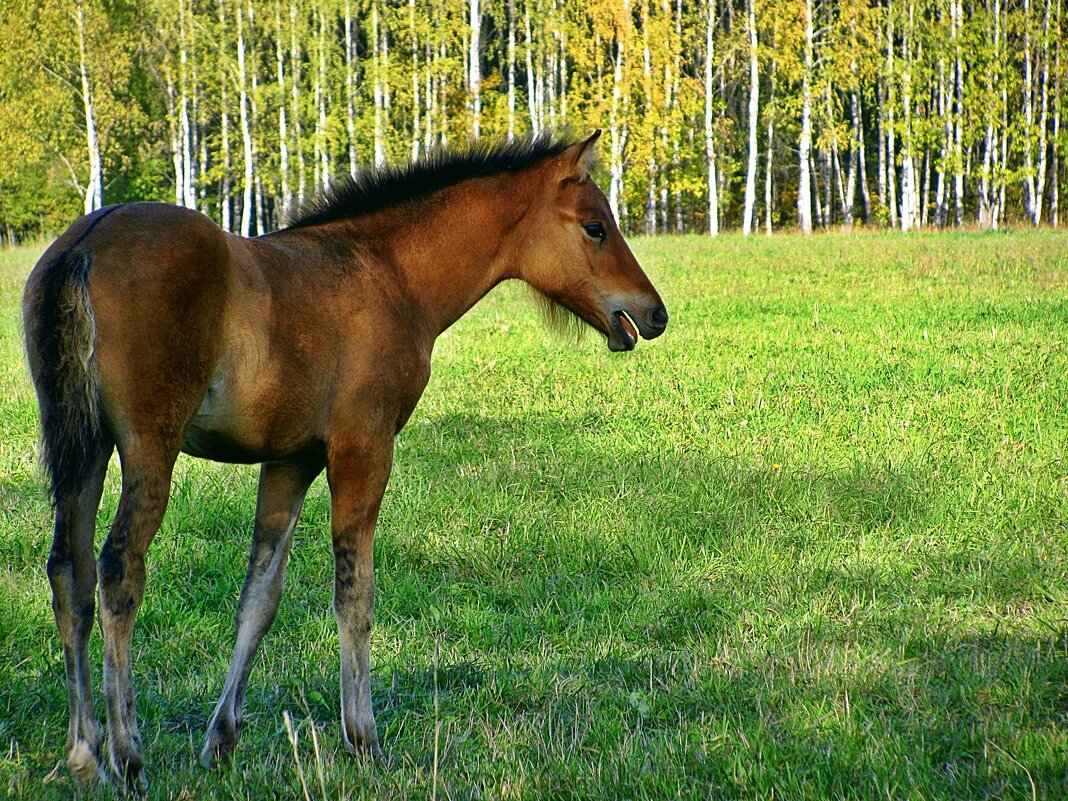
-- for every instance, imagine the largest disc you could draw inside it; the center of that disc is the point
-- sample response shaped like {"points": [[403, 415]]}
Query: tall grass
{"points": [[810, 544]]}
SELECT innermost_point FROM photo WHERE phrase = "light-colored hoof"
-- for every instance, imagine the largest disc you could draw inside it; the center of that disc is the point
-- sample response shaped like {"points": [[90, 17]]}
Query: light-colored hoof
{"points": [[83, 762]]}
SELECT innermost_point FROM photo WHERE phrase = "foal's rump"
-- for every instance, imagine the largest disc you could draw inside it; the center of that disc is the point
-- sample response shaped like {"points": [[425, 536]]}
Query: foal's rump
{"points": [[124, 316]]}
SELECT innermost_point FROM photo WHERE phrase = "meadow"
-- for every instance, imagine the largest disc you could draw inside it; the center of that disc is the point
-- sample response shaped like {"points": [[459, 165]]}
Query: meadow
{"points": [[810, 544]]}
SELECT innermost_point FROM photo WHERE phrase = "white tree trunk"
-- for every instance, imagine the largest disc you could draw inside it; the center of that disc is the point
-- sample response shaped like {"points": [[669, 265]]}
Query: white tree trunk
{"points": [[909, 188], [226, 186], [926, 192], [860, 160], [189, 197], [804, 187], [987, 179], [386, 86], [474, 63], [534, 84], [673, 119], [283, 131], [710, 139], [1043, 121], [652, 172], [754, 106], [616, 134], [561, 66], [94, 190], [246, 128], [1055, 166], [511, 70], [443, 96], [957, 9], [257, 181], [550, 78]]}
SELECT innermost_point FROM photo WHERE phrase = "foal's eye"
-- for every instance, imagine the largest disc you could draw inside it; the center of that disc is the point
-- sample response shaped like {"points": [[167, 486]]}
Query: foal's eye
{"points": [[595, 230]]}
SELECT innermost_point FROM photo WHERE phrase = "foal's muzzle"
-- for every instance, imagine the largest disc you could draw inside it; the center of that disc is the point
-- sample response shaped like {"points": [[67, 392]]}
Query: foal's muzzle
{"points": [[658, 320], [628, 322]]}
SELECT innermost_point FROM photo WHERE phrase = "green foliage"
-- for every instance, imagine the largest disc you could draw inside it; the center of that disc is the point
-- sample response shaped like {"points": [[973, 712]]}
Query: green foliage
{"points": [[147, 60], [810, 544]]}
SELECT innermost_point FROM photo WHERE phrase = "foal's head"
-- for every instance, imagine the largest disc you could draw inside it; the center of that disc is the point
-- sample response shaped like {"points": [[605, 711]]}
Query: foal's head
{"points": [[577, 257]]}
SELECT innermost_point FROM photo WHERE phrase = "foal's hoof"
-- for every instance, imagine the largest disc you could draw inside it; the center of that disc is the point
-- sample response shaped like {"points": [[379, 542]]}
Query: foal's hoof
{"points": [[83, 761], [219, 745], [373, 752], [127, 772], [364, 745]]}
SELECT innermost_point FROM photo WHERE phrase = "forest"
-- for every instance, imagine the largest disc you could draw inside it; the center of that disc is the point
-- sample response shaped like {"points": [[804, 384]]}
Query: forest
{"points": [[758, 115]]}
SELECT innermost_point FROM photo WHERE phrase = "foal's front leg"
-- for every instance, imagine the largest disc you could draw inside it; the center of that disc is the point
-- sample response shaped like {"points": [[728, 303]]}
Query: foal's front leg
{"points": [[282, 488], [358, 477]]}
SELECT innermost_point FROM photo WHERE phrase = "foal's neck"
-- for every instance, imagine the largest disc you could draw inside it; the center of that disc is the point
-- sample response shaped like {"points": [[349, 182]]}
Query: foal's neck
{"points": [[452, 248]]}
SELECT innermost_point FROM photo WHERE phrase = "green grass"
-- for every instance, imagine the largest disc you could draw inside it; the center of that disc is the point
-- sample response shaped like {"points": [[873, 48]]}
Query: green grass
{"points": [[811, 544]]}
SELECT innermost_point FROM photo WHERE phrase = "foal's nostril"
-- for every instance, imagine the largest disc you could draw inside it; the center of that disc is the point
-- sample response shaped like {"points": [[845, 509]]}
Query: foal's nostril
{"points": [[659, 316]]}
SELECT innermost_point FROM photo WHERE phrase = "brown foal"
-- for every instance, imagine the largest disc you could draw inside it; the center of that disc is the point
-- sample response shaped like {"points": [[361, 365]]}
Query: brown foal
{"points": [[151, 330]]}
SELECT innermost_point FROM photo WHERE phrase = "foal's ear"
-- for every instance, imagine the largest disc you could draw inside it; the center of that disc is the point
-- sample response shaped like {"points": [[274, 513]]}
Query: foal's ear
{"points": [[578, 159]]}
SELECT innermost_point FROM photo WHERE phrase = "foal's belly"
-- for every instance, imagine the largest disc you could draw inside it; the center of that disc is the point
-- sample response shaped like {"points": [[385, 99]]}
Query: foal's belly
{"points": [[227, 428], [218, 446]]}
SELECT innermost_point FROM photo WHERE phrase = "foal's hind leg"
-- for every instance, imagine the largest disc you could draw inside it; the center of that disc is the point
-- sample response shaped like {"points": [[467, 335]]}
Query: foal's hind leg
{"points": [[146, 479], [72, 574], [283, 486]]}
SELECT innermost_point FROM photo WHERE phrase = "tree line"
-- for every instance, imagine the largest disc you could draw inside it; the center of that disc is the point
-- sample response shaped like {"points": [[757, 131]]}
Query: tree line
{"points": [[718, 114]]}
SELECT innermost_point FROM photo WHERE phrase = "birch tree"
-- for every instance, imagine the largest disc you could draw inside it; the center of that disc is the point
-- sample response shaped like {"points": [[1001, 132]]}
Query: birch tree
{"points": [[246, 125], [804, 145], [475, 67], [918, 112], [710, 137], [94, 190], [754, 108]]}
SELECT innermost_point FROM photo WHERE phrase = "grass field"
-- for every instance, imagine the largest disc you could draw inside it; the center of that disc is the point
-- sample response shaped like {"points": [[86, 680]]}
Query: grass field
{"points": [[811, 544]]}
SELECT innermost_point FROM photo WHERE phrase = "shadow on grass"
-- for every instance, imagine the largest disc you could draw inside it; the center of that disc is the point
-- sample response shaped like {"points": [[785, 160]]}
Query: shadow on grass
{"points": [[686, 619]]}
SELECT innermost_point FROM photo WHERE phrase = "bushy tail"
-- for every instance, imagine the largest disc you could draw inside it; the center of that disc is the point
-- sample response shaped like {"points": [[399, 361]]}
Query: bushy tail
{"points": [[61, 345]]}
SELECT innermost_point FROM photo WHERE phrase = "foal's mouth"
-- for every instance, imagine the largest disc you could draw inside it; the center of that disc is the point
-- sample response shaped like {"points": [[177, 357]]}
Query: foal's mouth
{"points": [[624, 334], [625, 326]]}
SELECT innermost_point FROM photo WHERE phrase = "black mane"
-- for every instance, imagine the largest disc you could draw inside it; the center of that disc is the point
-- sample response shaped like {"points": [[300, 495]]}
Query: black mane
{"points": [[379, 188]]}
